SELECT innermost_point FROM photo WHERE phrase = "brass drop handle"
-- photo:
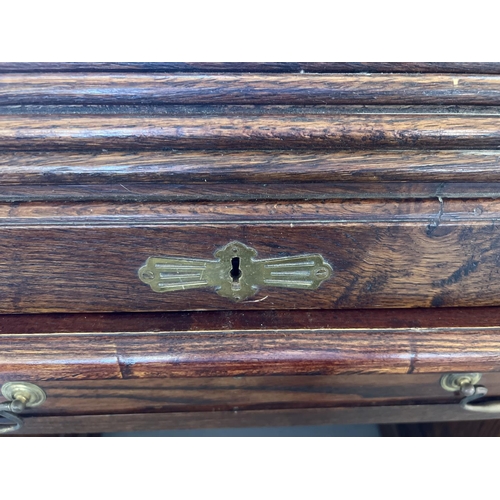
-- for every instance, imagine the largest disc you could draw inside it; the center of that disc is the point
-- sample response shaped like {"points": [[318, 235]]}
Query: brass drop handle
{"points": [[19, 396], [483, 407], [466, 385]]}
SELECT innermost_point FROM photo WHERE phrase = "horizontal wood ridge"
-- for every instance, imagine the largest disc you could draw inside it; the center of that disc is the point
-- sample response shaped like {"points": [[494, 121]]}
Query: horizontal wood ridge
{"points": [[271, 67], [343, 132], [151, 132], [306, 89], [248, 353]]}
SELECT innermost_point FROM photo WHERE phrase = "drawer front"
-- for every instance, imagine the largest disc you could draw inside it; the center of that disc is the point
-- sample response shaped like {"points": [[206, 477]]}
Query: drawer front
{"points": [[101, 174], [87, 257], [96, 424], [149, 404], [246, 368], [245, 393]]}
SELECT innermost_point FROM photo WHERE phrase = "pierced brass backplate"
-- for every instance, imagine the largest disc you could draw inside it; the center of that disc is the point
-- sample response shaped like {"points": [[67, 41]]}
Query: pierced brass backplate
{"points": [[236, 274]]}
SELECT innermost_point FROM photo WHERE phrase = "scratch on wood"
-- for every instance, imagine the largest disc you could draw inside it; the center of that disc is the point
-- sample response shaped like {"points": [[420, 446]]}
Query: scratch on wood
{"points": [[120, 367], [258, 300], [432, 226]]}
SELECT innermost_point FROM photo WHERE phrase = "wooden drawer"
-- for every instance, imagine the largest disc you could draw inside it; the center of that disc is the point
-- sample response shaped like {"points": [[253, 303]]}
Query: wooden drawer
{"points": [[101, 171], [241, 368], [226, 394], [180, 403], [87, 257]]}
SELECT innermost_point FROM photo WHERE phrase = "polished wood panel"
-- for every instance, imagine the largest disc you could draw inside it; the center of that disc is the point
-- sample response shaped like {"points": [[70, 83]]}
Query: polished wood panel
{"points": [[85, 257], [235, 419], [266, 132], [249, 167], [273, 212], [282, 351], [112, 88], [209, 321], [209, 191], [271, 67], [74, 397], [196, 176]]}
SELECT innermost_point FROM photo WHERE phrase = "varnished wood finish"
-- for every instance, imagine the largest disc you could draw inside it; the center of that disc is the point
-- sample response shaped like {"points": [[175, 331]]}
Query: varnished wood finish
{"points": [[393, 178], [276, 67], [89, 397], [230, 321], [313, 132], [383, 254], [207, 192], [249, 167], [305, 89], [93, 397], [236, 419], [196, 176], [247, 353]]}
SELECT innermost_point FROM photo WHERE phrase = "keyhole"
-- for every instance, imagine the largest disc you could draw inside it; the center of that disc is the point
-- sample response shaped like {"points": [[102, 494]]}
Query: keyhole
{"points": [[235, 271]]}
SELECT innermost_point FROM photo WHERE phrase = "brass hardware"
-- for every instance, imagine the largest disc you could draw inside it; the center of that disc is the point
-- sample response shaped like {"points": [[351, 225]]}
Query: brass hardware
{"points": [[236, 274], [465, 384], [19, 395], [453, 382]]}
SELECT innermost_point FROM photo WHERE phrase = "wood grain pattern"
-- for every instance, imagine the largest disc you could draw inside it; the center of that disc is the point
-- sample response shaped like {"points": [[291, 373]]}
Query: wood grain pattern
{"points": [[91, 397], [46, 133], [188, 167], [100, 170], [202, 321], [77, 397], [249, 175], [145, 192], [282, 351], [131, 88], [270, 212], [271, 67], [85, 257], [234, 419]]}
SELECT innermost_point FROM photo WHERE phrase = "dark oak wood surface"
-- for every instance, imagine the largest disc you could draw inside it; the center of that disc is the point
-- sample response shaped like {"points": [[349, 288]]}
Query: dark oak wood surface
{"points": [[249, 175], [85, 257], [271, 67], [92, 397], [248, 167], [103, 166], [230, 321], [313, 132], [158, 88], [281, 351], [147, 192], [83, 424]]}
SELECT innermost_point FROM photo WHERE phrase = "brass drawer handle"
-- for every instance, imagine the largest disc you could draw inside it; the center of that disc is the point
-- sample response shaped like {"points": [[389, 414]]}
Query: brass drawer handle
{"points": [[236, 274], [19, 395], [466, 385]]}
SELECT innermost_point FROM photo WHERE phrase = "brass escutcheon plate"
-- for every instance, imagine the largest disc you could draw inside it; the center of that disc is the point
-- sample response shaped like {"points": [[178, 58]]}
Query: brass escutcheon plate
{"points": [[236, 273]]}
